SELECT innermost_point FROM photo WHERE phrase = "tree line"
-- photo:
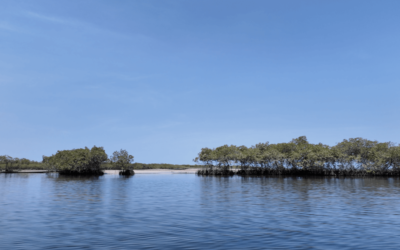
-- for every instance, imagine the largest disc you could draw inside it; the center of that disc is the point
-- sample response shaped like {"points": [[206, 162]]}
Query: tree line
{"points": [[352, 157]]}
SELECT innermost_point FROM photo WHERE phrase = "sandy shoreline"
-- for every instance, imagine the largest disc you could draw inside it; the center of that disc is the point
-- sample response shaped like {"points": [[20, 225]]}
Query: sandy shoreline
{"points": [[157, 171], [137, 171]]}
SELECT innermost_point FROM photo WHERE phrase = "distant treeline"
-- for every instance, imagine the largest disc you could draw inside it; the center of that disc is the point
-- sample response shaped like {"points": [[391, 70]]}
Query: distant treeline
{"points": [[34, 165], [9, 163], [353, 157], [137, 165]]}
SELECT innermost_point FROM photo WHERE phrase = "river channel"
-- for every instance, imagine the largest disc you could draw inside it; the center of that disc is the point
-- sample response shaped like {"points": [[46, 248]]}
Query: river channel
{"points": [[185, 211]]}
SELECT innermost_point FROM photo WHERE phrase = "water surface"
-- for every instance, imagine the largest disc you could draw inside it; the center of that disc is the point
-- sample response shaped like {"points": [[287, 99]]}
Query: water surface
{"points": [[46, 211]]}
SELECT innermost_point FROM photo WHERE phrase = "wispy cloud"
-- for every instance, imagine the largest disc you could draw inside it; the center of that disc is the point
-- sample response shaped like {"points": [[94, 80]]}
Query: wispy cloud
{"points": [[5, 26], [125, 77], [52, 19], [64, 21], [8, 27], [82, 25]]}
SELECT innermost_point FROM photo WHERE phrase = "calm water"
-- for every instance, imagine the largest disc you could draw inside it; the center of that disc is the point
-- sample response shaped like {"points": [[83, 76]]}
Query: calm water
{"points": [[43, 211]]}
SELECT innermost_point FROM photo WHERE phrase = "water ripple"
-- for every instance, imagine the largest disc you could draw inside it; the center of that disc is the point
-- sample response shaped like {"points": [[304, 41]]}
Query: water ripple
{"points": [[41, 211]]}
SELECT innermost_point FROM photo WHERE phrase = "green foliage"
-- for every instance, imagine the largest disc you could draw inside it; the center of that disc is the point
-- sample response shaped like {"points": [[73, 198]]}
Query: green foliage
{"points": [[83, 160], [121, 160], [10, 164], [356, 156]]}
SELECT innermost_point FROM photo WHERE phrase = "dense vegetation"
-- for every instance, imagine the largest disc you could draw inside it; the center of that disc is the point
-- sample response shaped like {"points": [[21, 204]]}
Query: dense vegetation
{"points": [[353, 157], [77, 161]]}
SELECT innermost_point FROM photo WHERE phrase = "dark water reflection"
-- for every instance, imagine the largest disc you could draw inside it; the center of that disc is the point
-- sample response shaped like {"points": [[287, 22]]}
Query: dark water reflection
{"points": [[40, 211]]}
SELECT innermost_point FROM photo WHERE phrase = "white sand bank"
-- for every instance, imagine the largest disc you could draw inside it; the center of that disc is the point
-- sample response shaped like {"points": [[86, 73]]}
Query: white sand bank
{"points": [[157, 171], [137, 171]]}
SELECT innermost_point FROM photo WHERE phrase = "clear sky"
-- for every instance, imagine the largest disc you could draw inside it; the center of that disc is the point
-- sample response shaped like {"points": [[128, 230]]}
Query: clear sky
{"points": [[162, 79]]}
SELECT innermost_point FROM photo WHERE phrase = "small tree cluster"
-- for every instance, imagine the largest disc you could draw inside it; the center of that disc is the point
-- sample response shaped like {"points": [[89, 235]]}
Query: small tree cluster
{"points": [[77, 161], [122, 160]]}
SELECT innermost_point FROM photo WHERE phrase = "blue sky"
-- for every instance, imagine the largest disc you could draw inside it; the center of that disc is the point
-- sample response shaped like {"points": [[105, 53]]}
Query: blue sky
{"points": [[163, 79]]}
